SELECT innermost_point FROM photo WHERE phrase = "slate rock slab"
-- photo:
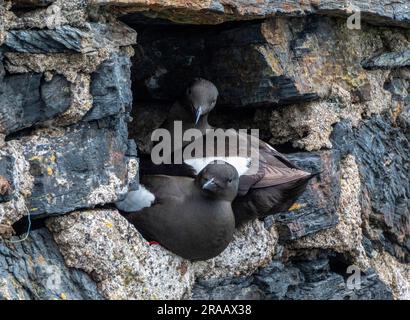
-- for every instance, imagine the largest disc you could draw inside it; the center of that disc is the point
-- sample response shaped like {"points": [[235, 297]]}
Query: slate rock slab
{"points": [[381, 150], [80, 168], [316, 208], [27, 99], [69, 39], [111, 88], [35, 269]]}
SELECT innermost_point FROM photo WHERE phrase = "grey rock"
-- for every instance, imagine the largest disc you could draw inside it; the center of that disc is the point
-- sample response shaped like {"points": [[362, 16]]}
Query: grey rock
{"points": [[164, 65], [56, 96], [63, 39], [385, 198], [315, 209], [388, 60], [297, 280], [227, 290], [2, 71], [275, 280], [334, 287], [381, 12], [26, 99], [111, 88], [80, 168], [314, 271], [69, 39], [6, 177], [35, 269]]}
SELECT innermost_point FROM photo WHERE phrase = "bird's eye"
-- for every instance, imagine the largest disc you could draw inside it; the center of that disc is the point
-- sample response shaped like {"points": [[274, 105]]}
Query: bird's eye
{"points": [[188, 91], [229, 180]]}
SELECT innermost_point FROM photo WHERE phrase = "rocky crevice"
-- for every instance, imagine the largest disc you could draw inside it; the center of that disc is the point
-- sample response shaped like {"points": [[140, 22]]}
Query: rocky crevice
{"points": [[76, 87]]}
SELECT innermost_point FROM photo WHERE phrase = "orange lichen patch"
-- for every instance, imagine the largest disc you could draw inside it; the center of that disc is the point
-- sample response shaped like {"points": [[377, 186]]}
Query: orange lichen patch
{"points": [[50, 171], [297, 206], [41, 260], [109, 224], [396, 112], [36, 158], [4, 185], [63, 296]]}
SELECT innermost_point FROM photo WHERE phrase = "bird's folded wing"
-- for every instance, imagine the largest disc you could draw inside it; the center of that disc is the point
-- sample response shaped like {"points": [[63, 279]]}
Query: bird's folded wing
{"points": [[272, 156], [166, 188], [274, 169], [275, 176]]}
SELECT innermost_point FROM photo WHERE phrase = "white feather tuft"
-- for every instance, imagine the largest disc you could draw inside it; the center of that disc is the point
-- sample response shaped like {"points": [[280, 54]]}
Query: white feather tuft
{"points": [[241, 164], [136, 200]]}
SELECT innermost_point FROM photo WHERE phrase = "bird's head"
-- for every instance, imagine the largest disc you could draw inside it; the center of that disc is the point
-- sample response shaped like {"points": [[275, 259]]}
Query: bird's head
{"points": [[201, 98], [219, 179]]}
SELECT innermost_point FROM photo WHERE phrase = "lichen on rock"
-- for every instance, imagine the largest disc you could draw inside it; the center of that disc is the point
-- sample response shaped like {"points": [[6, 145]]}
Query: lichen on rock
{"points": [[336, 99], [125, 266]]}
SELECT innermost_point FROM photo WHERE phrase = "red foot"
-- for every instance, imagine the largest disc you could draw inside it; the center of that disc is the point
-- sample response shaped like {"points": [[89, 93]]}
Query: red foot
{"points": [[152, 243]]}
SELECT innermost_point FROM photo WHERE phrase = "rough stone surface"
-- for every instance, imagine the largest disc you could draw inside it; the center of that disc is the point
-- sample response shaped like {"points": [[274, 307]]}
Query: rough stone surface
{"points": [[335, 98], [386, 210], [316, 208], [300, 278], [49, 14], [253, 246], [389, 60], [202, 12], [275, 62], [27, 99], [67, 38], [125, 266], [17, 184], [65, 165], [122, 263], [111, 88], [35, 269], [346, 236]]}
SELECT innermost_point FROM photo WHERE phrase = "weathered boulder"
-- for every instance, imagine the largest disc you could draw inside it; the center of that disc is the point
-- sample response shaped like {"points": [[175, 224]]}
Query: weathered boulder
{"points": [[55, 171], [346, 237], [122, 263]]}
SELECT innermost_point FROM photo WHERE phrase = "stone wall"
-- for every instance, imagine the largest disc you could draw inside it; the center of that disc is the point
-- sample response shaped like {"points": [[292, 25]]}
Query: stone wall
{"points": [[77, 88]]}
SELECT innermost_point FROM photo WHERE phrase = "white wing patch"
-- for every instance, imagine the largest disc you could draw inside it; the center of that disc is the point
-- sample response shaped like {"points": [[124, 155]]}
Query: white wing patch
{"points": [[241, 164], [136, 200]]}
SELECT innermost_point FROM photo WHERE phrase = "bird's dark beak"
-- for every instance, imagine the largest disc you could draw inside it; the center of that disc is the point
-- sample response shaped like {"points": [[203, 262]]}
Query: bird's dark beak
{"points": [[198, 115], [209, 185]]}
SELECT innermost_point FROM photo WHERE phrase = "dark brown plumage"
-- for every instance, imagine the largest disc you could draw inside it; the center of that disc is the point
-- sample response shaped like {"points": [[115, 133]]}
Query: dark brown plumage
{"points": [[191, 217], [272, 188]]}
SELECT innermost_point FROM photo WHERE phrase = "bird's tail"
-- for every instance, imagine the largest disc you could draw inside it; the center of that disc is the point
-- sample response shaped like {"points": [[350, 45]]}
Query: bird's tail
{"points": [[136, 200]]}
